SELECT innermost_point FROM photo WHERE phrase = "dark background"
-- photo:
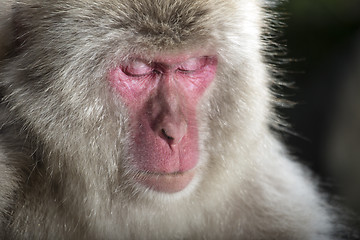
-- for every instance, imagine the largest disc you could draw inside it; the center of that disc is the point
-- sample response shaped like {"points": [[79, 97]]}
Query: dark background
{"points": [[322, 38]]}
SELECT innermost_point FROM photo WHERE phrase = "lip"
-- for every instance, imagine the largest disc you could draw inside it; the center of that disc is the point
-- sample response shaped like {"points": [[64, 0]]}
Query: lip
{"points": [[166, 182]]}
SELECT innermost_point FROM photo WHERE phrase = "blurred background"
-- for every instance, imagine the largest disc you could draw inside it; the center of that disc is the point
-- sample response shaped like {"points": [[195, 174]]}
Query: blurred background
{"points": [[323, 43]]}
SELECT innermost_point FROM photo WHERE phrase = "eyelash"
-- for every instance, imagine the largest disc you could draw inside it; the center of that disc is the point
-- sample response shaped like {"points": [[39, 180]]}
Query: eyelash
{"points": [[186, 71]]}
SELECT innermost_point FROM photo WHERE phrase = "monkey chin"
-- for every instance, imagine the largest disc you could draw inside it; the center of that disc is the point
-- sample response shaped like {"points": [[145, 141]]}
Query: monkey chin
{"points": [[168, 182]]}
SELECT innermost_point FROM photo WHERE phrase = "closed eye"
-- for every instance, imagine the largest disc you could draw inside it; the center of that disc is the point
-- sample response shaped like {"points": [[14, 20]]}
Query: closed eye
{"points": [[192, 64], [138, 68]]}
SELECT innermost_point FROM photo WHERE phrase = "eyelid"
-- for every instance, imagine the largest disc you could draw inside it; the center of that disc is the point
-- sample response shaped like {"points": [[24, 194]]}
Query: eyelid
{"points": [[137, 68], [193, 64]]}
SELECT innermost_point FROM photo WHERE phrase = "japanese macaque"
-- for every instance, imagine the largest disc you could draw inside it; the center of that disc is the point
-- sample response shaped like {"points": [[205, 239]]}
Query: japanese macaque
{"points": [[144, 119]]}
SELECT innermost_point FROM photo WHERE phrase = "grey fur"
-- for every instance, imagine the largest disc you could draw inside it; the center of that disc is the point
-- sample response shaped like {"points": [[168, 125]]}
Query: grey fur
{"points": [[64, 137]]}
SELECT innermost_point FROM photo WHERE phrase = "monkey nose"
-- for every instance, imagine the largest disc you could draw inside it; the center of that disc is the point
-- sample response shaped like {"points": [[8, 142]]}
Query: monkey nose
{"points": [[173, 133]]}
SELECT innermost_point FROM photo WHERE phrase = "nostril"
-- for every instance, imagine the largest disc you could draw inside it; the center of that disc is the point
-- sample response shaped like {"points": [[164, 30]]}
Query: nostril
{"points": [[166, 135], [172, 133]]}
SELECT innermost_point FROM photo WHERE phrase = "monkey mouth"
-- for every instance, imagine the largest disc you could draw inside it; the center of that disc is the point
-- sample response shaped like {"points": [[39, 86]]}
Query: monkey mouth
{"points": [[166, 182]]}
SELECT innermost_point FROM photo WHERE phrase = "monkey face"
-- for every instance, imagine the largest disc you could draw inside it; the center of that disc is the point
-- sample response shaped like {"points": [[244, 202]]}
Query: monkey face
{"points": [[139, 98], [161, 96]]}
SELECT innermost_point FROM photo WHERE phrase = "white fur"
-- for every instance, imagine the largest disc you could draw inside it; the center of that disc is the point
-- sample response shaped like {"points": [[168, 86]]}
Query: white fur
{"points": [[74, 129]]}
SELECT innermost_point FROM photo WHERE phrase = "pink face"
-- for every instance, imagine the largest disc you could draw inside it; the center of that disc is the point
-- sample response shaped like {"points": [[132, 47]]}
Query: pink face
{"points": [[162, 97]]}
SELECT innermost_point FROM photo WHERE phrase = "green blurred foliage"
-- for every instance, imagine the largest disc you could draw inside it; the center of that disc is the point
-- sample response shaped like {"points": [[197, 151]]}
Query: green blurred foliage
{"points": [[325, 11], [316, 35], [316, 27], [321, 38]]}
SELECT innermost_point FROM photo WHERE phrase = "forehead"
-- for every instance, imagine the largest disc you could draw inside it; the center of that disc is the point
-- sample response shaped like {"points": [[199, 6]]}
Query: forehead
{"points": [[125, 28], [169, 24]]}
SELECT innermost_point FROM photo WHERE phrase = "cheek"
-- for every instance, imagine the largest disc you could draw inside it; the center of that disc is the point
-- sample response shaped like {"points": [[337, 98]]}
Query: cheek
{"points": [[196, 83]]}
